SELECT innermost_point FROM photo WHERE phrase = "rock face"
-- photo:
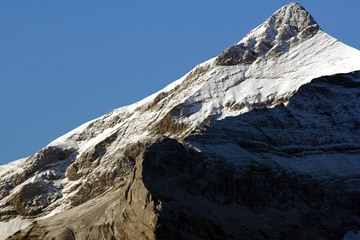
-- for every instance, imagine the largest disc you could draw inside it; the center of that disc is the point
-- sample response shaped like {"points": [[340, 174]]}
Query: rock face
{"points": [[258, 143], [272, 38], [175, 192]]}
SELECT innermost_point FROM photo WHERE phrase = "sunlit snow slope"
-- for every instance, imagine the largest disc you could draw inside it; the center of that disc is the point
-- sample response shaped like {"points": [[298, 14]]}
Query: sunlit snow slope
{"points": [[263, 70]]}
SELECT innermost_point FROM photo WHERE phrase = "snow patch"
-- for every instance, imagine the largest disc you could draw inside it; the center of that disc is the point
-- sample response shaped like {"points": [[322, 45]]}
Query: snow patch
{"points": [[12, 226], [352, 236], [12, 167]]}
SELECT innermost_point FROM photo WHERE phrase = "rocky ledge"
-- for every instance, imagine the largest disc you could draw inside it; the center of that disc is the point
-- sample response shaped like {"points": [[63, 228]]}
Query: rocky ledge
{"points": [[289, 25], [241, 190]]}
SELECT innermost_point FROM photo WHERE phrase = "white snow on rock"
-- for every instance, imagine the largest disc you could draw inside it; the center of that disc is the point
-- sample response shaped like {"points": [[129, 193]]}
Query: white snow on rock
{"points": [[247, 84], [211, 91], [352, 236], [318, 56], [12, 167], [12, 226]]}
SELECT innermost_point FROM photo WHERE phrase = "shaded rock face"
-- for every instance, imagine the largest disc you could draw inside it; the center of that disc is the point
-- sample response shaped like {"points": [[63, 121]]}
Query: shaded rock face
{"points": [[242, 190], [275, 36], [101, 155], [222, 202], [177, 193], [317, 133], [214, 199], [280, 173], [238, 186]]}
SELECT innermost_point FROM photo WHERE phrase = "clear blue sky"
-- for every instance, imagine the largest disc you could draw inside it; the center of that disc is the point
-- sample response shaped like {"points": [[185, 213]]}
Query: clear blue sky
{"points": [[64, 62]]}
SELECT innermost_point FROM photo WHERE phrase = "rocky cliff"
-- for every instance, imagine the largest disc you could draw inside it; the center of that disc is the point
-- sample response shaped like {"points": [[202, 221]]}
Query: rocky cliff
{"points": [[236, 186], [260, 142]]}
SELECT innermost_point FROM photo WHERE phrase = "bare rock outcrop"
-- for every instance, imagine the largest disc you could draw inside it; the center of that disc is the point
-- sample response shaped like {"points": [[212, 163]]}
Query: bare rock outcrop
{"points": [[274, 37]]}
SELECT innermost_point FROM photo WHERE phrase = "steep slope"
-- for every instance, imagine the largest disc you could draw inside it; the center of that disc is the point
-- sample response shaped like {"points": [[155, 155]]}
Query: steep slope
{"points": [[102, 158], [322, 119], [239, 185]]}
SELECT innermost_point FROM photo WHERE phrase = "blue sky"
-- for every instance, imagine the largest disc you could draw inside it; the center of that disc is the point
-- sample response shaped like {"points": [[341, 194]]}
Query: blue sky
{"points": [[65, 62]]}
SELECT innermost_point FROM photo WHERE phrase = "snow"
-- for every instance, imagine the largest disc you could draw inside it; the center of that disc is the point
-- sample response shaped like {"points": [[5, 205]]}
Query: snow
{"points": [[352, 236], [303, 139], [263, 80], [12, 167], [66, 141], [206, 95], [319, 165], [318, 56], [12, 226]]}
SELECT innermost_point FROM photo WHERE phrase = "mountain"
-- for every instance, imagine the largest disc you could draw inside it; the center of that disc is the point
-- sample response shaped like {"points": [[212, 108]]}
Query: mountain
{"points": [[260, 142]]}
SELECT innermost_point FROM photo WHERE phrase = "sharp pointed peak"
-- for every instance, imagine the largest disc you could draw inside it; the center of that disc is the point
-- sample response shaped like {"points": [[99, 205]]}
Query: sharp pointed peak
{"points": [[293, 5], [276, 35], [293, 14], [292, 20]]}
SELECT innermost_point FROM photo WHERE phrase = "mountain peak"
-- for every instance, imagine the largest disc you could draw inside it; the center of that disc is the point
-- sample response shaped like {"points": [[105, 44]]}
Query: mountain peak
{"points": [[284, 29], [118, 177], [293, 15]]}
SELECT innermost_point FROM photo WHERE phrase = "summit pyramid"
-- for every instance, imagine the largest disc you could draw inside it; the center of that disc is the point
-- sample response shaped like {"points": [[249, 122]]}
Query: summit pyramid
{"points": [[260, 142]]}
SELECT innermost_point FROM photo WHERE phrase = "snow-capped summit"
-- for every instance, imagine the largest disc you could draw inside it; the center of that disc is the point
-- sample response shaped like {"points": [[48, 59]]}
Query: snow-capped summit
{"points": [[264, 69], [291, 15], [275, 36], [289, 21], [101, 164]]}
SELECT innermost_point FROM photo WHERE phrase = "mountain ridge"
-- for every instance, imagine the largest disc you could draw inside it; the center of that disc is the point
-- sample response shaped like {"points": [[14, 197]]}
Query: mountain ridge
{"points": [[270, 39], [101, 155], [174, 188]]}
